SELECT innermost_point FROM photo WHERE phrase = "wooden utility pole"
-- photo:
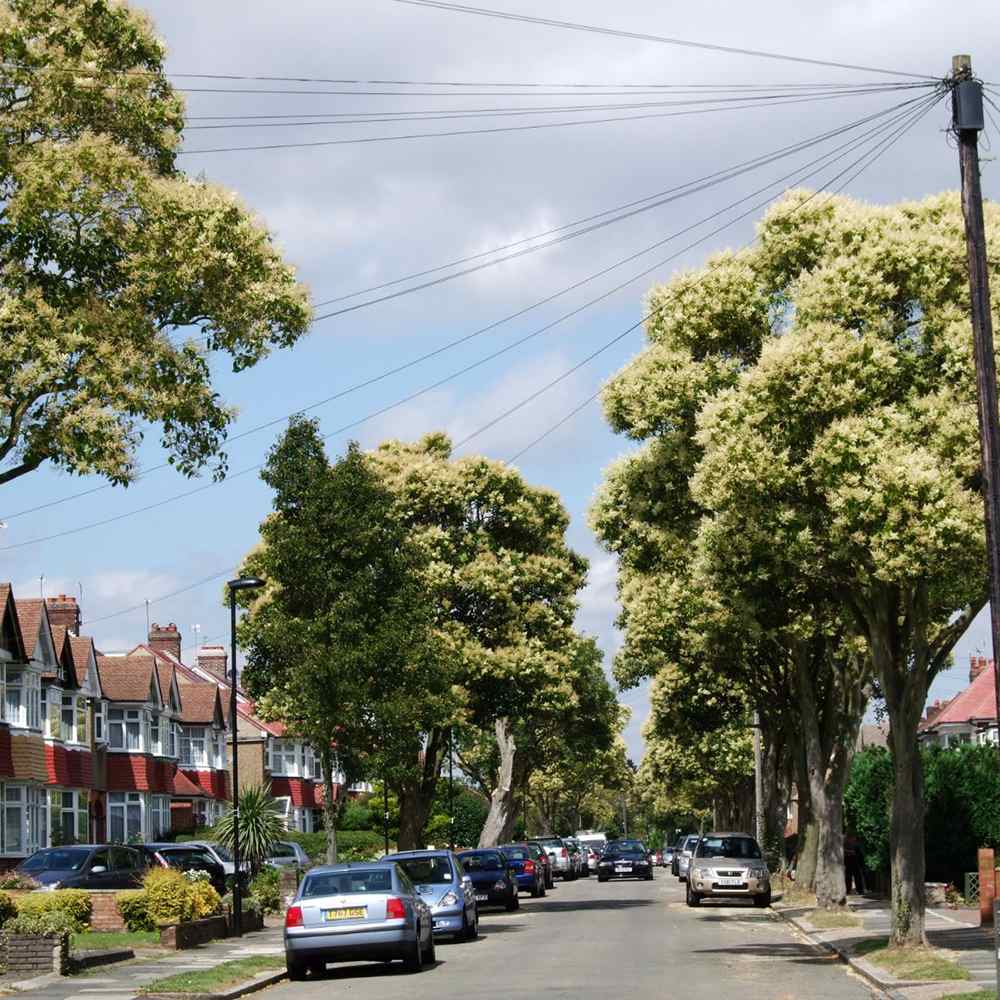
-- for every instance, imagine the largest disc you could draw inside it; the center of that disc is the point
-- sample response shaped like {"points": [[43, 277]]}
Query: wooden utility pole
{"points": [[967, 118]]}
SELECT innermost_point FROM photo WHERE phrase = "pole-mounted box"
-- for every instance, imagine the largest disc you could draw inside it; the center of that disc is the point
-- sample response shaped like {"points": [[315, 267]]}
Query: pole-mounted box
{"points": [[967, 105]]}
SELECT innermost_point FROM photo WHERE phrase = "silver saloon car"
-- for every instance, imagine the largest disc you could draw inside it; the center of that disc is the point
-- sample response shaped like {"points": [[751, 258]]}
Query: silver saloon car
{"points": [[357, 912], [443, 885], [728, 865]]}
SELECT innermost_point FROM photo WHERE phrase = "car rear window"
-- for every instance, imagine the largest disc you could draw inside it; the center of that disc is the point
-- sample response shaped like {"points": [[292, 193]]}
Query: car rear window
{"points": [[59, 860], [490, 861], [513, 853], [346, 883], [427, 871], [728, 847]]}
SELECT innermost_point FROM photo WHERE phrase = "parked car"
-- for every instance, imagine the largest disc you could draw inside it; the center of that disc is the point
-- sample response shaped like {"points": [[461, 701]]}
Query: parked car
{"points": [[625, 859], [558, 852], [221, 854], [683, 857], [593, 859], [668, 856], [528, 871], [368, 911], [595, 840], [86, 866], [493, 879], [658, 858], [442, 885], [578, 854], [542, 858], [728, 865], [286, 853], [187, 858]]}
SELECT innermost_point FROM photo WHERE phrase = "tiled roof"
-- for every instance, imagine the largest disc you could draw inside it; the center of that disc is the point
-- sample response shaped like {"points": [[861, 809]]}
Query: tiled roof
{"points": [[165, 676], [198, 702], [183, 785], [29, 612], [125, 678], [81, 646], [976, 703]]}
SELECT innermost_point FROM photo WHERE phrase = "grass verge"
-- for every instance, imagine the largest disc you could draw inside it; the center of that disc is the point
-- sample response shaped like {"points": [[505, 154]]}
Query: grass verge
{"points": [[103, 940], [909, 963], [219, 978], [826, 919]]}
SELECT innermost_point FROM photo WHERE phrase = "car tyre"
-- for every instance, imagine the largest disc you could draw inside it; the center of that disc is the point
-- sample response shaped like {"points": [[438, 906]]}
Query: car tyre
{"points": [[296, 969], [602, 878], [470, 931], [542, 891], [513, 904], [762, 899], [430, 954], [538, 889], [414, 961], [692, 898]]}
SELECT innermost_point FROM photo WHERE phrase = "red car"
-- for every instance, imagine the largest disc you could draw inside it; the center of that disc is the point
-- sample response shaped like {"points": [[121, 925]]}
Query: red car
{"points": [[658, 858]]}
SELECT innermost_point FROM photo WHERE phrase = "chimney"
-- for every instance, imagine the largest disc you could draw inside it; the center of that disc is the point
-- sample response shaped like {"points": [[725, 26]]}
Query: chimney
{"points": [[977, 664], [214, 660], [165, 639], [64, 612]]}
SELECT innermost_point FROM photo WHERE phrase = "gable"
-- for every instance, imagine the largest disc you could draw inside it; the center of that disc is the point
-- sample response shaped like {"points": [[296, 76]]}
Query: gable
{"points": [[11, 639]]}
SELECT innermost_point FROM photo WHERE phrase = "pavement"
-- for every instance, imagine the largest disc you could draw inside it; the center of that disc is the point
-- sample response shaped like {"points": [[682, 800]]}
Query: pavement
{"points": [[955, 933], [591, 941], [120, 981]]}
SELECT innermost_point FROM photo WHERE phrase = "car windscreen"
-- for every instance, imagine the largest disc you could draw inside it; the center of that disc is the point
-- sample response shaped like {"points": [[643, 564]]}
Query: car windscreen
{"points": [[427, 871], [223, 852], [486, 862], [62, 859], [728, 847], [625, 852], [689, 844], [346, 883]]}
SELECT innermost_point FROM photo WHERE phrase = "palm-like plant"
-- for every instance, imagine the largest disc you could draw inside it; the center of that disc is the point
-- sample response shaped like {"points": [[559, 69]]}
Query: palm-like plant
{"points": [[260, 825]]}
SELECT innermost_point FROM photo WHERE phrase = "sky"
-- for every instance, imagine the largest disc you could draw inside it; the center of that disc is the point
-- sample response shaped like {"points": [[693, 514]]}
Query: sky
{"points": [[352, 216]]}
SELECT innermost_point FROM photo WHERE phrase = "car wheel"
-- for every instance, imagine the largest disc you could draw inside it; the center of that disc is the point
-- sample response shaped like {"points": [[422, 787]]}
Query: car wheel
{"points": [[317, 968], [537, 890], [414, 960], [691, 898], [541, 892], [430, 954], [472, 930], [602, 878], [296, 968], [762, 899], [649, 877], [513, 904]]}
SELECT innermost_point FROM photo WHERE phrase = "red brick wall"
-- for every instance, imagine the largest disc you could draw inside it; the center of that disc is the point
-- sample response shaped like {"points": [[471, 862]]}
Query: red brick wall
{"points": [[6, 759], [105, 915]]}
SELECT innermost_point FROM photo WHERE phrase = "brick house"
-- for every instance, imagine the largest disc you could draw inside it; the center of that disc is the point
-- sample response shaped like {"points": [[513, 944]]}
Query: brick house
{"points": [[970, 716]]}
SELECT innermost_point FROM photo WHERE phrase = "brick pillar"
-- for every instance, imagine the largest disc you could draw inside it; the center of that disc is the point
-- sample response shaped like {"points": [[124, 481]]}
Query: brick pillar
{"points": [[987, 886]]}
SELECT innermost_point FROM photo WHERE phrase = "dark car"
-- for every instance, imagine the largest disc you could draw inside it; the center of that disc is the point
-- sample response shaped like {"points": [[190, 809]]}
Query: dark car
{"points": [[529, 873], [86, 866], [542, 858], [493, 879], [188, 858], [624, 859]]}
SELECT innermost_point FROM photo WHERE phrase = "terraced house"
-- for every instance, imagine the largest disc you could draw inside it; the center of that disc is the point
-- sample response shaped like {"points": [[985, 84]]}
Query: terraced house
{"points": [[128, 746]]}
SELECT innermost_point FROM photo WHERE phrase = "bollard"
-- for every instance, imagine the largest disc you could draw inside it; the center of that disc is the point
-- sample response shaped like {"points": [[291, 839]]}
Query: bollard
{"points": [[987, 885]]}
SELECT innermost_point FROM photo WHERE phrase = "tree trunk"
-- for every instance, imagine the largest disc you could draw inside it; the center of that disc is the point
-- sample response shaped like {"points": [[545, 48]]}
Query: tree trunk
{"points": [[416, 794], [331, 807], [807, 835], [502, 815], [906, 843]]}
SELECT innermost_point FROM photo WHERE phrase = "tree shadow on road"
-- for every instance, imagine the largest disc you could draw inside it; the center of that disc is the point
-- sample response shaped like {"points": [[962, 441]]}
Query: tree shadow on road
{"points": [[800, 954], [592, 904]]}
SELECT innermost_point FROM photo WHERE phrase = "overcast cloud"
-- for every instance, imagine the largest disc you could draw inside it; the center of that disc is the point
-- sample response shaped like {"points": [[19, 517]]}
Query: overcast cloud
{"points": [[357, 215]]}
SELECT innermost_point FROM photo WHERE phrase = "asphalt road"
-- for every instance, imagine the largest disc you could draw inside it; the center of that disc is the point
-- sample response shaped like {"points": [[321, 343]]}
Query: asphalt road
{"points": [[634, 940]]}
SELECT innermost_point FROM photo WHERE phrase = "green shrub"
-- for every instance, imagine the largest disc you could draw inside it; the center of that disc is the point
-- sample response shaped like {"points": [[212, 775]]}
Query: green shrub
{"points": [[168, 896], [7, 908], [75, 903], [134, 908], [205, 901], [15, 880], [266, 888], [355, 815], [41, 922]]}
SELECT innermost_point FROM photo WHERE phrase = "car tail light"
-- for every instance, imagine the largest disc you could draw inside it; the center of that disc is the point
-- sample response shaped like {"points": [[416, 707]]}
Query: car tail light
{"points": [[565, 853], [529, 867], [293, 918], [394, 909]]}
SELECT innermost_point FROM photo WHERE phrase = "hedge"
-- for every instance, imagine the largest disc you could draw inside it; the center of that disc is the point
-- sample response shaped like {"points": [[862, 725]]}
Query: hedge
{"points": [[74, 903], [133, 905]]}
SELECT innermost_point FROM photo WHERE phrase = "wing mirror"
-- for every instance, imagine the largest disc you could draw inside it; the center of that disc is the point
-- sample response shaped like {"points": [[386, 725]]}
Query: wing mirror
{"points": [[467, 879], [97, 870]]}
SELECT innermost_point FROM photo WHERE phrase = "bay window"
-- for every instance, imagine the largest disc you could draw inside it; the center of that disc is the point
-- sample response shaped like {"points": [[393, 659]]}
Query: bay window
{"points": [[284, 758], [72, 718], [23, 699], [155, 744], [25, 819], [70, 821], [194, 751], [159, 816], [125, 811], [125, 728]]}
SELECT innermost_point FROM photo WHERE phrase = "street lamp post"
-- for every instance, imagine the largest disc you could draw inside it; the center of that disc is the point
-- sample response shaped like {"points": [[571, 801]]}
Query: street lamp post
{"points": [[244, 583]]}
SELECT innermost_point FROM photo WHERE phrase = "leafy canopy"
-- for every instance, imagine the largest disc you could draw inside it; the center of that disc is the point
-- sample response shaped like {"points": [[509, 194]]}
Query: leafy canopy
{"points": [[109, 253]]}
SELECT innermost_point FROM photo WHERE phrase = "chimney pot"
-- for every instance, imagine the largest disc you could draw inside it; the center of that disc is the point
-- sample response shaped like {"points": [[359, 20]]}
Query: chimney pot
{"points": [[165, 639], [63, 612]]}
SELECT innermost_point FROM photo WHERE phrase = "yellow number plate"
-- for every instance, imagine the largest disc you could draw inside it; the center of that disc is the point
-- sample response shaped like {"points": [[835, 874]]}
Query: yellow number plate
{"points": [[348, 913]]}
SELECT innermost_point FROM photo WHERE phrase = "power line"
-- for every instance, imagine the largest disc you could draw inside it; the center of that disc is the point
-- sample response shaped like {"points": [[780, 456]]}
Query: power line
{"points": [[696, 185], [447, 114], [643, 37], [163, 597], [360, 140], [925, 105], [884, 147]]}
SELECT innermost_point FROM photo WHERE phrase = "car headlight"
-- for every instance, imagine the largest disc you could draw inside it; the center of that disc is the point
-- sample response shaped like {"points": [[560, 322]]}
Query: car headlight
{"points": [[698, 873], [759, 873], [448, 899]]}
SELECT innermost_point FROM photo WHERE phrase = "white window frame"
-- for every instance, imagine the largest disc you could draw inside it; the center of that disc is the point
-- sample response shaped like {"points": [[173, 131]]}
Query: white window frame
{"points": [[194, 747], [156, 724], [69, 808], [285, 758], [128, 722], [159, 816], [121, 813], [100, 720], [28, 712], [24, 829]]}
